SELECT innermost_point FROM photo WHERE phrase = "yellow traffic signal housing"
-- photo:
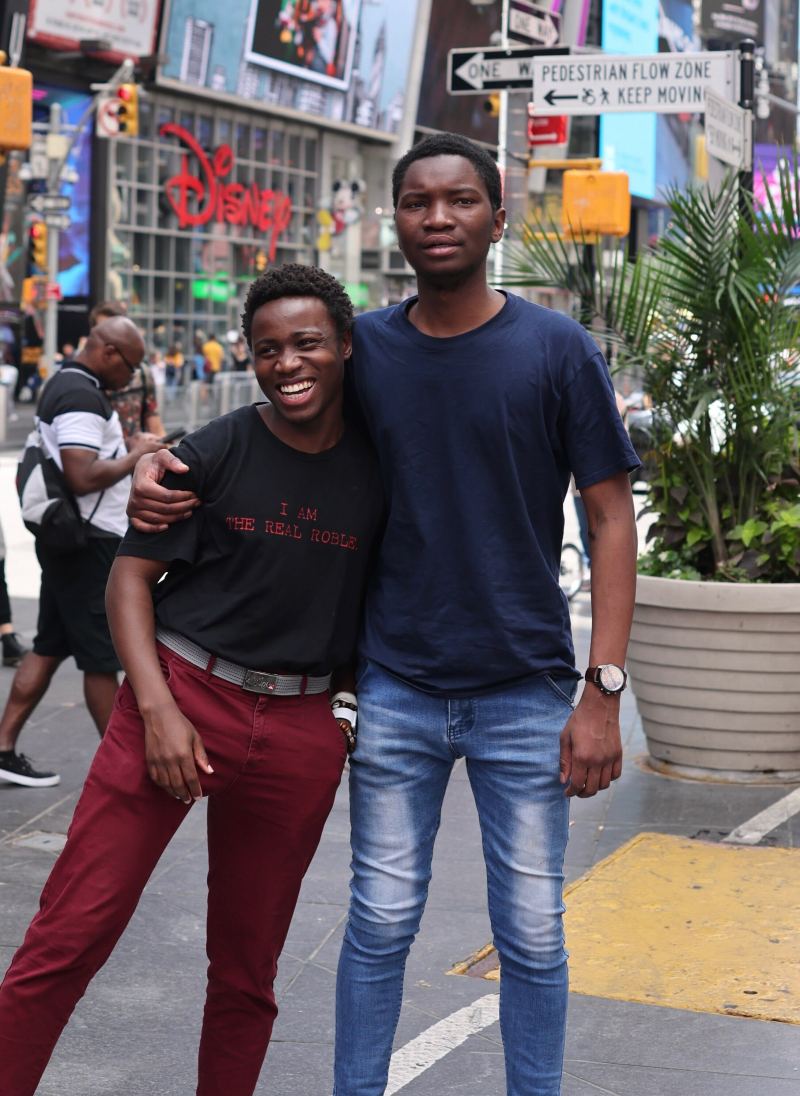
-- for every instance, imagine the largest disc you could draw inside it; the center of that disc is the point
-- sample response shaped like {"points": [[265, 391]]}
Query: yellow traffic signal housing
{"points": [[596, 201], [491, 104], [16, 108], [38, 245], [128, 109]]}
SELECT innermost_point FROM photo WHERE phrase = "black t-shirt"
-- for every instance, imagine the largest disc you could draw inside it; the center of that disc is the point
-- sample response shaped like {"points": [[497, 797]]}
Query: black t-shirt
{"points": [[269, 572]]}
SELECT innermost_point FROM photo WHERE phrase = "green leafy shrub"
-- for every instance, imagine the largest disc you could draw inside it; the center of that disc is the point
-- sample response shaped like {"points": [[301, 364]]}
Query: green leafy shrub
{"points": [[703, 318]]}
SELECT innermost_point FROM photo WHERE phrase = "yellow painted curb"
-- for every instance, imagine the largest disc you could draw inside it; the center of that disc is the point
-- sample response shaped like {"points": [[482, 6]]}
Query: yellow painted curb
{"points": [[686, 924]]}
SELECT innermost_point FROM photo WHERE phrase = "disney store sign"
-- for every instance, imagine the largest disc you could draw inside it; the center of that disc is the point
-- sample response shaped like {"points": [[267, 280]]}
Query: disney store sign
{"points": [[202, 195]]}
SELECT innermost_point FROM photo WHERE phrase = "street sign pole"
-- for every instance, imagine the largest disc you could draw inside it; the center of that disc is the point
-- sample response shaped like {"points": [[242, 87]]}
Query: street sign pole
{"points": [[55, 140], [747, 77]]}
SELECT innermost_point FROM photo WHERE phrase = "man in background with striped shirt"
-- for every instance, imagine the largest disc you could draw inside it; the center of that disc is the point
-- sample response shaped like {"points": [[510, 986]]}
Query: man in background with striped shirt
{"points": [[82, 433]]}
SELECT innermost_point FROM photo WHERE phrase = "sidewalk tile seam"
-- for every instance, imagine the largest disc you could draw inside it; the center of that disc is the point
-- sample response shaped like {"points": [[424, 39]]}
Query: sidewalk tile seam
{"points": [[675, 1070]]}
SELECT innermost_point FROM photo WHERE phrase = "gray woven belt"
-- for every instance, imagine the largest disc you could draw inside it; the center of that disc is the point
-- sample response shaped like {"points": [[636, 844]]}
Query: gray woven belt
{"points": [[252, 680]]}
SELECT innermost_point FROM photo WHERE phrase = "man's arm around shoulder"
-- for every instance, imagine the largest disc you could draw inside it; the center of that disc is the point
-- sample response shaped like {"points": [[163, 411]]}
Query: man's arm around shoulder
{"points": [[152, 508]]}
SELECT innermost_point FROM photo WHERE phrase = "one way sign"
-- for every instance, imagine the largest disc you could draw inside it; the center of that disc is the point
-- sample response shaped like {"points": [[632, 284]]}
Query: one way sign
{"points": [[474, 71]]}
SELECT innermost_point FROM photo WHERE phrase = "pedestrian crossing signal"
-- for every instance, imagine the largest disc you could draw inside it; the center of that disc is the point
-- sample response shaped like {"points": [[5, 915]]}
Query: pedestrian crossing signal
{"points": [[128, 109], [38, 245]]}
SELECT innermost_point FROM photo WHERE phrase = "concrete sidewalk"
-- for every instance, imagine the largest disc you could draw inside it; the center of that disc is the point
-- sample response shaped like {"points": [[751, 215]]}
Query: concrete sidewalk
{"points": [[136, 1031]]}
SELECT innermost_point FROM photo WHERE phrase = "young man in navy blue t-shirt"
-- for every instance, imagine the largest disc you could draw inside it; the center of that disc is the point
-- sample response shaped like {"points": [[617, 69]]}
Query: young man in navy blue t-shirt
{"points": [[480, 405]]}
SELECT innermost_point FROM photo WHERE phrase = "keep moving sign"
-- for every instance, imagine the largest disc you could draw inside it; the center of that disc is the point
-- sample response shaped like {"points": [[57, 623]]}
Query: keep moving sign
{"points": [[664, 83]]}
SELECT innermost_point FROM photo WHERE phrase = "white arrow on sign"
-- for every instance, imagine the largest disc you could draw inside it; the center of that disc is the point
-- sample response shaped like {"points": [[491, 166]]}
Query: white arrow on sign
{"points": [[665, 83], [481, 72], [476, 71], [532, 24], [729, 132], [49, 203]]}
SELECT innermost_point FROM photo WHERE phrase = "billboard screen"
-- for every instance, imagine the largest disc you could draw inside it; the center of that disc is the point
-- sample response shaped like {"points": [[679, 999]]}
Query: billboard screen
{"points": [[628, 141], [733, 20], [73, 257], [653, 149], [346, 60], [128, 25], [312, 39]]}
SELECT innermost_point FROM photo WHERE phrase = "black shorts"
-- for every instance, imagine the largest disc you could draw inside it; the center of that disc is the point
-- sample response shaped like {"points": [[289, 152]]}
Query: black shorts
{"points": [[72, 611]]}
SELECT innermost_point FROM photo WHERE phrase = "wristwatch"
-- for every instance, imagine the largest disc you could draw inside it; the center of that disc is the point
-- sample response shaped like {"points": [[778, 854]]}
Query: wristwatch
{"points": [[609, 679]]}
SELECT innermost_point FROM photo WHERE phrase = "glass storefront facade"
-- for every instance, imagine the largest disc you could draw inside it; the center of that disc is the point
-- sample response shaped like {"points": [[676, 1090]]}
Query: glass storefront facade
{"points": [[203, 199]]}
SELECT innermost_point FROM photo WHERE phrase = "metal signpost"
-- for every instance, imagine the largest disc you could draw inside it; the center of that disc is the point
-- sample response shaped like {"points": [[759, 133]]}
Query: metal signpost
{"points": [[476, 71], [531, 24], [57, 150], [664, 83]]}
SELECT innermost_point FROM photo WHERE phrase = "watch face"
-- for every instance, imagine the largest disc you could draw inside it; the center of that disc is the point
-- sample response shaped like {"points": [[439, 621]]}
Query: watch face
{"points": [[612, 678]]}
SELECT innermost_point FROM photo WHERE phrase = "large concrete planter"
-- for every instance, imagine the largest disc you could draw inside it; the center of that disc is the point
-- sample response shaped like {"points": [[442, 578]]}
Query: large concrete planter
{"points": [[716, 672]]}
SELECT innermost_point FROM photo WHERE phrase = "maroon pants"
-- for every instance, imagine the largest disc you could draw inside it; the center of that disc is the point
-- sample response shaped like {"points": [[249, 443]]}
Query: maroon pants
{"points": [[277, 763]]}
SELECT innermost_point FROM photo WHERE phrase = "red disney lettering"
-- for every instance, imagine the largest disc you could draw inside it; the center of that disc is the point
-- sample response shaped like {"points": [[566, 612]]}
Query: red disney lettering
{"points": [[197, 199]]}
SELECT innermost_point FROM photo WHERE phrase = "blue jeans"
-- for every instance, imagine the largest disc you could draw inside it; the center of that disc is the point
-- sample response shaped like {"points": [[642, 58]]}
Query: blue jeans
{"points": [[407, 744]]}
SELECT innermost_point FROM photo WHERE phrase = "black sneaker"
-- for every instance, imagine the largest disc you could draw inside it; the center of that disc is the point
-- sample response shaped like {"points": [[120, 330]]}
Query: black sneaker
{"points": [[17, 769], [13, 650]]}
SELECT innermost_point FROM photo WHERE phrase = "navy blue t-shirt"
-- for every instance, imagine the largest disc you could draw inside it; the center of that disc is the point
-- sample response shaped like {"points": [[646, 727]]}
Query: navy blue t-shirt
{"points": [[477, 436]]}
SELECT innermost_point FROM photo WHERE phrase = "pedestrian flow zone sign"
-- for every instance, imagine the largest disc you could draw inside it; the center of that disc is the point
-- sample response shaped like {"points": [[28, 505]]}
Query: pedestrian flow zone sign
{"points": [[665, 83], [471, 71]]}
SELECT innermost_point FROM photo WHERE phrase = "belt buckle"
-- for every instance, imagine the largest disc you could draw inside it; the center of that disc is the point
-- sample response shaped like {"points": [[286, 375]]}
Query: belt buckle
{"points": [[256, 682]]}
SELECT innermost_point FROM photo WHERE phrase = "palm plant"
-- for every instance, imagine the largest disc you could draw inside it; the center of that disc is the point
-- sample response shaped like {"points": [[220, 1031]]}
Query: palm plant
{"points": [[703, 318]]}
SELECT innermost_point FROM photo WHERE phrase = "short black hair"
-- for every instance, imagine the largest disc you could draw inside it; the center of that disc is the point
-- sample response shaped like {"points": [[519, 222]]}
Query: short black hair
{"points": [[296, 280], [451, 144]]}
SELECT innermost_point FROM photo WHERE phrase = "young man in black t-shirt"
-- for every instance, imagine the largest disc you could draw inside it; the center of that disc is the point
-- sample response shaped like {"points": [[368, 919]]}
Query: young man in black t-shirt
{"points": [[228, 662]]}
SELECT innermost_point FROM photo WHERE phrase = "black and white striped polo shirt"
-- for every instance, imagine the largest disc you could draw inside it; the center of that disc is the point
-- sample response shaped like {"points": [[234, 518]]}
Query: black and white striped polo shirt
{"points": [[75, 413]]}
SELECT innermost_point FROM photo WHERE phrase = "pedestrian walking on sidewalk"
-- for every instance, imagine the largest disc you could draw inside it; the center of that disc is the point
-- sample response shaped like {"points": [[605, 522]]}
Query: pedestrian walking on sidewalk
{"points": [[268, 575], [81, 433], [480, 405]]}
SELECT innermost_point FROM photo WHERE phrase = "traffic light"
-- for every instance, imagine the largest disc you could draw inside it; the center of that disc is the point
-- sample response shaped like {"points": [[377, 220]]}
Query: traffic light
{"points": [[128, 109], [491, 104], [596, 201], [37, 245], [16, 107]]}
